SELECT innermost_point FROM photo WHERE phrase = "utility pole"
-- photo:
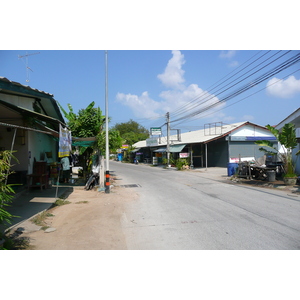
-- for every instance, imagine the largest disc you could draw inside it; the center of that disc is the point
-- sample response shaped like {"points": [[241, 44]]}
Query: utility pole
{"points": [[107, 182], [168, 138]]}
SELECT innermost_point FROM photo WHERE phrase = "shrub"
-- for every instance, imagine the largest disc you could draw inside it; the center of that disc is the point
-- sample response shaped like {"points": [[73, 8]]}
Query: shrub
{"points": [[6, 191]]}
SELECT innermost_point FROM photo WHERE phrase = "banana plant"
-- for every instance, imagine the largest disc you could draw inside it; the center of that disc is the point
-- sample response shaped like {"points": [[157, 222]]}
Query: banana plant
{"points": [[287, 138]]}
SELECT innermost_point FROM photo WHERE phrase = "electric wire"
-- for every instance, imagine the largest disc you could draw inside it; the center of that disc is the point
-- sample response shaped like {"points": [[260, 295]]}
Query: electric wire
{"points": [[210, 96], [288, 63], [215, 85], [248, 96]]}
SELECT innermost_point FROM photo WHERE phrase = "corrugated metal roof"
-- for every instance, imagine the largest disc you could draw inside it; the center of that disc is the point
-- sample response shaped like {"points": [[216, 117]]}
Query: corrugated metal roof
{"points": [[4, 79], [201, 136]]}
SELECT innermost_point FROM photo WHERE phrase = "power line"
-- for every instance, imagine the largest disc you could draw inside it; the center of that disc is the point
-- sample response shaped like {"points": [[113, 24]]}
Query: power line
{"points": [[213, 86], [210, 96], [203, 116], [286, 64]]}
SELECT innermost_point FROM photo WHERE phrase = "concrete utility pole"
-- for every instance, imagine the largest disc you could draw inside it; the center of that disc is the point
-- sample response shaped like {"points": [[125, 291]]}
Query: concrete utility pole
{"points": [[168, 138], [107, 182]]}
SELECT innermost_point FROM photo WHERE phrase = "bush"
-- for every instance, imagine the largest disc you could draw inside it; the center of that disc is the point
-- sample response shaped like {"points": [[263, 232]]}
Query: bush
{"points": [[180, 162], [6, 191]]}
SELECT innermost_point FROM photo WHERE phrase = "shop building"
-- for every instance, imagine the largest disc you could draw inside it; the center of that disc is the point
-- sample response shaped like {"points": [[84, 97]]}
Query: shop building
{"points": [[214, 146]]}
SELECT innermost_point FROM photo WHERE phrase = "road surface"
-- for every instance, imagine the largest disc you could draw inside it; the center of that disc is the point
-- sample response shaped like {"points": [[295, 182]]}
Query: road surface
{"points": [[183, 210]]}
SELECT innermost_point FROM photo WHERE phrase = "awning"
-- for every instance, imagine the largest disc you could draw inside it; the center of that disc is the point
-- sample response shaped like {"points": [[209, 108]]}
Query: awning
{"points": [[173, 148], [135, 150], [33, 114], [177, 148], [83, 142]]}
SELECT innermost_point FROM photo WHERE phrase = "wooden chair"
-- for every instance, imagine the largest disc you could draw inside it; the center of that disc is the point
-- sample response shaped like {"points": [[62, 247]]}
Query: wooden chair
{"points": [[39, 177]]}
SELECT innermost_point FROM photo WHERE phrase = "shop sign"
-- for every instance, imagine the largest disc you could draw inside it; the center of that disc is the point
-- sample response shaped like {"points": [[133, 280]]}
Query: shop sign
{"points": [[152, 142], [155, 130], [124, 146], [184, 155]]}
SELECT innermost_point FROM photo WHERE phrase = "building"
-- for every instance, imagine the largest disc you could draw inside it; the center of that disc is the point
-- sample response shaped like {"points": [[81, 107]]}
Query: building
{"points": [[214, 146], [293, 118], [29, 125]]}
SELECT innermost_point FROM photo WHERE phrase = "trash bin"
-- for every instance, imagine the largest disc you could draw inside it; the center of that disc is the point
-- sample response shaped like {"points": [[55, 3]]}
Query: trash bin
{"points": [[271, 175], [231, 168]]}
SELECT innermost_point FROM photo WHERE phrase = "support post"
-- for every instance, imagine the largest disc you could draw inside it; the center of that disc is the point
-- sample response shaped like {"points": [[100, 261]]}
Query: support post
{"points": [[206, 156], [107, 183], [168, 138], [11, 150]]}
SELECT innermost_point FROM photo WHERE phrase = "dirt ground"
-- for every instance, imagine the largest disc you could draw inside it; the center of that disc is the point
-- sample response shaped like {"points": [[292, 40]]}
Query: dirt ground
{"points": [[92, 221]]}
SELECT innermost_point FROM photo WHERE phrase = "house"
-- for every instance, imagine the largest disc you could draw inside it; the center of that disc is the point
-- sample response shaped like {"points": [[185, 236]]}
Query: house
{"points": [[214, 146], [293, 118], [29, 125]]}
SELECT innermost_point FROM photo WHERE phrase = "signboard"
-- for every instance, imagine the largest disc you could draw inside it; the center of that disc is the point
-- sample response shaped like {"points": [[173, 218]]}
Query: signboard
{"points": [[252, 138], [65, 142], [151, 142], [155, 130], [124, 146], [184, 155]]}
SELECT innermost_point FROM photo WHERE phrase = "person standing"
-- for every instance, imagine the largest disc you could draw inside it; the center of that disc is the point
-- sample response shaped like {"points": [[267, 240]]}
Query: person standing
{"points": [[65, 162]]}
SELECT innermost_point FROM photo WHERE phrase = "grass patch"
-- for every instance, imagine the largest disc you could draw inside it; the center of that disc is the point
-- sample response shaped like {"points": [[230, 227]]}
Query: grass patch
{"points": [[39, 219], [60, 202], [81, 202]]}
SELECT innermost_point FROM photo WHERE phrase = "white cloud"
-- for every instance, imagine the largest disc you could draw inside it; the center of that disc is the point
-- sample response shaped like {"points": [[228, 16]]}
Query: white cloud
{"points": [[142, 106], [173, 74], [177, 96], [227, 54], [174, 99], [283, 88]]}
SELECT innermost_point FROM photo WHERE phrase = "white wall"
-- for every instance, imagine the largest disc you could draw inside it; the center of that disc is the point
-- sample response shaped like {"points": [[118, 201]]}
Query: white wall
{"points": [[39, 143], [249, 130]]}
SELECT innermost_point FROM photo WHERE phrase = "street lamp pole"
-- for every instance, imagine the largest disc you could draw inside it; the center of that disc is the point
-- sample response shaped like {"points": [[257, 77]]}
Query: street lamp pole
{"points": [[107, 182]]}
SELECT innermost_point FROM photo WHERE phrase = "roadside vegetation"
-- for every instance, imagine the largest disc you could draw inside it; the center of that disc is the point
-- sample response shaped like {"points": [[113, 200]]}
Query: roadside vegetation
{"points": [[8, 241]]}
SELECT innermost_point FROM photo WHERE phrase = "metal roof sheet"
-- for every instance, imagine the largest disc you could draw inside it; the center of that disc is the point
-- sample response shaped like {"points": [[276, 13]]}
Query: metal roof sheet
{"points": [[4, 79], [202, 135]]}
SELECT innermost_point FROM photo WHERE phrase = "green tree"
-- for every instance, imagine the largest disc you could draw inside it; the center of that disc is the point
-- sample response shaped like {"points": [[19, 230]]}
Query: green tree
{"points": [[131, 132], [287, 138], [90, 122]]}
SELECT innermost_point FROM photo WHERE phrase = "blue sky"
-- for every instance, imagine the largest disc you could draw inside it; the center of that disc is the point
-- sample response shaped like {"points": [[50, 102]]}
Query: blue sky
{"points": [[144, 85]]}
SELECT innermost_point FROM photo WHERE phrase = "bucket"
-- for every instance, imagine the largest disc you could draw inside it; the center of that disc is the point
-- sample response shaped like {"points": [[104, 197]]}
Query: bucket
{"points": [[271, 175], [231, 168]]}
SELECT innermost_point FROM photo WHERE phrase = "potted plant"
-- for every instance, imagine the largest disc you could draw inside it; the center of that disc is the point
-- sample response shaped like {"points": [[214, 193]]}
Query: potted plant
{"points": [[287, 138]]}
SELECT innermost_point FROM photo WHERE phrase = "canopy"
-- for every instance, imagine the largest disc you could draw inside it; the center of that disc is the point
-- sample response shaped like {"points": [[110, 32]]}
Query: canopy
{"points": [[83, 142], [177, 148], [173, 148]]}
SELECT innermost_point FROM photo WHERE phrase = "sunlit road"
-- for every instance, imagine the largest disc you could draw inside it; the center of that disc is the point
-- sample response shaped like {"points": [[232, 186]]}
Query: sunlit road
{"points": [[184, 210]]}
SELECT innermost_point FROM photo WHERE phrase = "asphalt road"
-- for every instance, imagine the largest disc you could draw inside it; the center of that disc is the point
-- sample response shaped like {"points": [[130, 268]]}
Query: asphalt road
{"points": [[184, 210]]}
